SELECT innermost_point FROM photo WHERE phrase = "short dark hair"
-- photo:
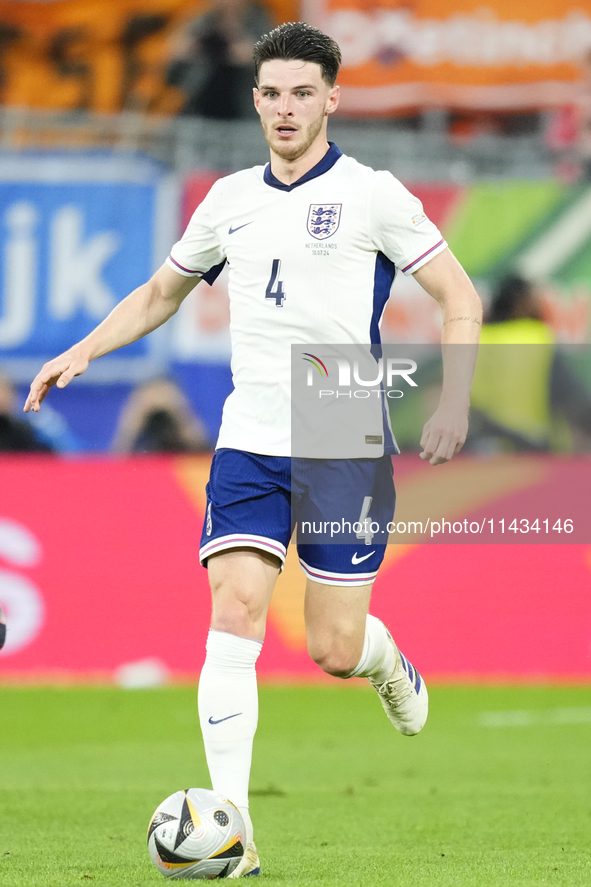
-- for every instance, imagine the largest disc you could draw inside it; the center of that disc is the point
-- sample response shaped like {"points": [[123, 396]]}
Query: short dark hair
{"points": [[300, 42]]}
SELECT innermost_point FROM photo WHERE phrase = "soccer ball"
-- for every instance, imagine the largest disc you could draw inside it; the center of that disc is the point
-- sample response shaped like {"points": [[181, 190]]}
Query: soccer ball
{"points": [[196, 833]]}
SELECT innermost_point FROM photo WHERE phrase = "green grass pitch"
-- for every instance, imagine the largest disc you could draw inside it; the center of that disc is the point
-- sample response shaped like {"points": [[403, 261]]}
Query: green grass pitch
{"points": [[338, 796]]}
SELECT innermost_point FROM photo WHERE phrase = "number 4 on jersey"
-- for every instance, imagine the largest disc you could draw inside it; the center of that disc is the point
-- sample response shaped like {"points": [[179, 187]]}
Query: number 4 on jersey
{"points": [[275, 286]]}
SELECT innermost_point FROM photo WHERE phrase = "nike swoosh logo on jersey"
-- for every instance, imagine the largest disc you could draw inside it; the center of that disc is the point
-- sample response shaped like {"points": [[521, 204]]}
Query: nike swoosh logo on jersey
{"points": [[211, 720], [358, 560], [233, 230]]}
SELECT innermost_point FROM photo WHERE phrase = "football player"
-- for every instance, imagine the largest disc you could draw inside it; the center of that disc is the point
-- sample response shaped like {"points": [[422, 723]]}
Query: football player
{"points": [[313, 241]]}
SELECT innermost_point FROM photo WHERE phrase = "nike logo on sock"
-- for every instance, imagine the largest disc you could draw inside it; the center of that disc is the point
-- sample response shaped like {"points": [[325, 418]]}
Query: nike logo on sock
{"points": [[233, 230], [211, 720], [358, 560]]}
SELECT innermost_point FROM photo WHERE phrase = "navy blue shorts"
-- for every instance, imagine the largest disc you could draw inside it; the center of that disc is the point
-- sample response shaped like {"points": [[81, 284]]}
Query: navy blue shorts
{"points": [[341, 507]]}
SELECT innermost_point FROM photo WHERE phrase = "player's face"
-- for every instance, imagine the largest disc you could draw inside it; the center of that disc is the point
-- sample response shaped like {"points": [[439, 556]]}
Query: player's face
{"points": [[293, 101]]}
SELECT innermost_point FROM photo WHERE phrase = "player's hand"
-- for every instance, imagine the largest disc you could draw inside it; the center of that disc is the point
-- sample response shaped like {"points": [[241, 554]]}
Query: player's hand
{"points": [[444, 434], [58, 371]]}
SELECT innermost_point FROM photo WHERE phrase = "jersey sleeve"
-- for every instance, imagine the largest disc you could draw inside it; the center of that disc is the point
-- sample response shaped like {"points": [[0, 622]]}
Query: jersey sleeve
{"points": [[399, 227], [198, 253]]}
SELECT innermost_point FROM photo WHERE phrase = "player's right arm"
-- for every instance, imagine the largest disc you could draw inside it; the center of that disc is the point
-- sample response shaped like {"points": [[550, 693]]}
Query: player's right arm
{"points": [[143, 310]]}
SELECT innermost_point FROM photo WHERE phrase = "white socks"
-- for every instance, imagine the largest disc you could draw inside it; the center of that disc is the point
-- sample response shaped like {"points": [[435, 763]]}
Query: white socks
{"points": [[378, 657], [228, 703], [228, 712]]}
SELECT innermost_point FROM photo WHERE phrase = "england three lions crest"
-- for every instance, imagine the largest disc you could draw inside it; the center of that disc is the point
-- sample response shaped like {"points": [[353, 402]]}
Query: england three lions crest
{"points": [[324, 219]]}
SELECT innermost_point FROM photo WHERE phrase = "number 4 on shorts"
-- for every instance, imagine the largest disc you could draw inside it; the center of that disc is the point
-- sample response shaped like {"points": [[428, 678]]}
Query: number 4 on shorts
{"points": [[365, 532]]}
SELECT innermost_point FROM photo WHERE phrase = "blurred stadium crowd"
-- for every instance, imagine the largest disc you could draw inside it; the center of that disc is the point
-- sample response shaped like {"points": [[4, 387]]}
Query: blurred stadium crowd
{"points": [[116, 117]]}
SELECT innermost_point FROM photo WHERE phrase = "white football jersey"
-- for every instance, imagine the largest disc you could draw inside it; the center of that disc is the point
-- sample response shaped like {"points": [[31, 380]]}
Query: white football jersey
{"points": [[311, 262]]}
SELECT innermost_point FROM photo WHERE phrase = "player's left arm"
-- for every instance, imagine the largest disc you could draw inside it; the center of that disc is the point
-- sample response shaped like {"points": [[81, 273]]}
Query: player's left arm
{"points": [[447, 282]]}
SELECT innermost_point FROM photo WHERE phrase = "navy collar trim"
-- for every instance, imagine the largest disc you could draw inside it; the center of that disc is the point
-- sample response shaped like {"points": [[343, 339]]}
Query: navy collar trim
{"points": [[327, 162]]}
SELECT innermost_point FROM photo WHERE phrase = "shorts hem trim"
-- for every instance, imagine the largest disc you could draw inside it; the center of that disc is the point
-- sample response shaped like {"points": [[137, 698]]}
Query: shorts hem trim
{"points": [[324, 577], [242, 540]]}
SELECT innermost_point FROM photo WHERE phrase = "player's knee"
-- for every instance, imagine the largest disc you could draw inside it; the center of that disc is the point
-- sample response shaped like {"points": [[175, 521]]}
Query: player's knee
{"points": [[234, 614], [237, 609], [337, 659], [241, 586]]}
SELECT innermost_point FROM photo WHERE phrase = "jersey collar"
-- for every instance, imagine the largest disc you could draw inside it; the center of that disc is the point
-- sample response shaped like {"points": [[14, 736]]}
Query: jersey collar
{"points": [[327, 162]]}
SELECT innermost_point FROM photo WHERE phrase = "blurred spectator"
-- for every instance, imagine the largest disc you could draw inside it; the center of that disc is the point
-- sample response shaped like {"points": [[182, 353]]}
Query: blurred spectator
{"points": [[522, 382], [465, 126], [212, 61], [516, 301], [157, 418], [16, 435], [584, 120], [568, 132]]}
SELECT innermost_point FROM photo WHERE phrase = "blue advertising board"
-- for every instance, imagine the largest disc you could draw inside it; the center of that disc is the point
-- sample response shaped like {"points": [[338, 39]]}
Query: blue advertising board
{"points": [[76, 236]]}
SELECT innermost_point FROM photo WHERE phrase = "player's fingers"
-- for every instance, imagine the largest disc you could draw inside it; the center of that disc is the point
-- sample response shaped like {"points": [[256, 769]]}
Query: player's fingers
{"points": [[66, 377], [40, 386], [446, 448], [42, 394], [425, 437], [49, 375], [438, 449], [449, 445], [443, 436], [440, 456], [430, 442], [426, 453], [28, 403], [35, 396]]}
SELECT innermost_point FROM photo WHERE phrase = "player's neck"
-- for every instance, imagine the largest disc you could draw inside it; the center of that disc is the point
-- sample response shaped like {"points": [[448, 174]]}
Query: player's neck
{"points": [[289, 171]]}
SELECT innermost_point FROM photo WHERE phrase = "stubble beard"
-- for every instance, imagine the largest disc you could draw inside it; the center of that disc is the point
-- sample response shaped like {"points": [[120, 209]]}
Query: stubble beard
{"points": [[290, 152]]}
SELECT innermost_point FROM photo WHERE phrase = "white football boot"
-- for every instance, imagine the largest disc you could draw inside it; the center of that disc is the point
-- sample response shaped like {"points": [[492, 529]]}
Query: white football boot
{"points": [[250, 863], [404, 695]]}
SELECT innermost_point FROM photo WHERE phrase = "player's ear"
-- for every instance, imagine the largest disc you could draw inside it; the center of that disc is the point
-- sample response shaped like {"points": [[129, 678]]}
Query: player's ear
{"points": [[256, 97], [332, 102]]}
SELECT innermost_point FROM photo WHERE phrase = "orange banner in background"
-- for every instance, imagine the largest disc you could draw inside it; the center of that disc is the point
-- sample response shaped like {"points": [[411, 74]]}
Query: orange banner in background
{"points": [[99, 55], [498, 55], [105, 55]]}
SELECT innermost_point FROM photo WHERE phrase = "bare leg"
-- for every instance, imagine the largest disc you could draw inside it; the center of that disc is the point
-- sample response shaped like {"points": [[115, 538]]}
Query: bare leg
{"points": [[347, 642], [335, 625], [242, 582]]}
